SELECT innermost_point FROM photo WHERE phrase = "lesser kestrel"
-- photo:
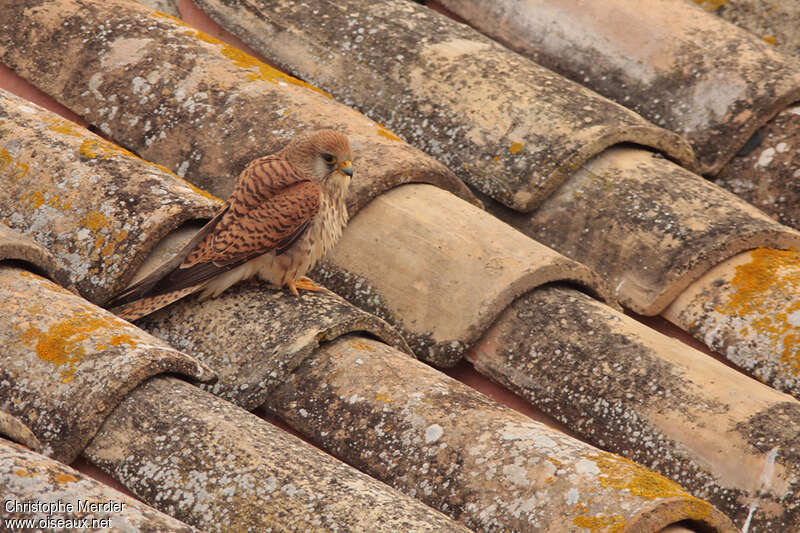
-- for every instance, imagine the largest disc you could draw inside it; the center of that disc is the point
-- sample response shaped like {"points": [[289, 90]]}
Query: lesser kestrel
{"points": [[286, 211]]}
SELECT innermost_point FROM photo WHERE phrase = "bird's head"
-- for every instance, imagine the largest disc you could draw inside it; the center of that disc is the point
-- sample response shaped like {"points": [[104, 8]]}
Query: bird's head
{"points": [[325, 156]]}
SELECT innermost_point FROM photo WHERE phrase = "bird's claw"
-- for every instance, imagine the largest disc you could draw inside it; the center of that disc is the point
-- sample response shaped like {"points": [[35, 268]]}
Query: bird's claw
{"points": [[303, 283]]}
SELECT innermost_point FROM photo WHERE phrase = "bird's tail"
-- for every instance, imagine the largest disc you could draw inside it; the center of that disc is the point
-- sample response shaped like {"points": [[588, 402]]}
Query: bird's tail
{"points": [[150, 304]]}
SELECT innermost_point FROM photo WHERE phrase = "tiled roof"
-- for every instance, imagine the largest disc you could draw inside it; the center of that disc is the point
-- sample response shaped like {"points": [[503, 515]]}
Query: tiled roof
{"points": [[443, 279]]}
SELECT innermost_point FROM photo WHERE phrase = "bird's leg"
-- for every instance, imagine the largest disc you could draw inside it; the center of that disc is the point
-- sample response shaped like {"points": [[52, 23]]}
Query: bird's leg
{"points": [[303, 283]]}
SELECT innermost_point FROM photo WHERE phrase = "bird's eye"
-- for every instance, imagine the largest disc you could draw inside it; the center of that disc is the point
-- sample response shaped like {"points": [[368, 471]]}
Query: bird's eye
{"points": [[329, 159]]}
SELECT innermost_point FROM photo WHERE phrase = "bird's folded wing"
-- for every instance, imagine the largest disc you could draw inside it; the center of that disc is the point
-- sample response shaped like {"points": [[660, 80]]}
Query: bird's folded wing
{"points": [[143, 286], [280, 218]]}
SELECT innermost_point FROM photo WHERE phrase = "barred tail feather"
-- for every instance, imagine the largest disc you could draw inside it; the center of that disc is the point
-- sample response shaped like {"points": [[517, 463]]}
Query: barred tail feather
{"points": [[150, 304]]}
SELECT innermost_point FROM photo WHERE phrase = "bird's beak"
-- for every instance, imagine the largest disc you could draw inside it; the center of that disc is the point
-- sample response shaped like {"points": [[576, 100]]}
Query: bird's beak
{"points": [[346, 167]]}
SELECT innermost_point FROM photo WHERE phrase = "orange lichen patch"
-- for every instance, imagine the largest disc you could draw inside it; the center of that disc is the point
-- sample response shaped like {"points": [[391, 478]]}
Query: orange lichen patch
{"points": [[122, 338], [383, 132], [358, 345], [496, 159], [711, 5], [94, 220], [100, 149], [599, 523], [770, 39], [56, 202], [515, 148], [244, 60], [19, 169], [62, 343], [36, 199], [382, 397], [696, 509], [21, 472], [65, 478], [762, 289], [66, 127], [176, 20], [620, 473]]}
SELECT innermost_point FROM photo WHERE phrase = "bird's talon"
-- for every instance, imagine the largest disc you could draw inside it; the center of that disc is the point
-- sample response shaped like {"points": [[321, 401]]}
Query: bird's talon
{"points": [[307, 284]]}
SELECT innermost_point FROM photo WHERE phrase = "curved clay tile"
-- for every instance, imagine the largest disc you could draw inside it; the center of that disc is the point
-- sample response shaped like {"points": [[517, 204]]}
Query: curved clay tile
{"points": [[648, 226], [30, 479], [757, 295], [15, 246], [67, 363], [98, 208], [483, 464], [656, 57], [447, 276], [284, 329], [218, 467], [196, 105], [505, 125], [620, 385], [14, 429]]}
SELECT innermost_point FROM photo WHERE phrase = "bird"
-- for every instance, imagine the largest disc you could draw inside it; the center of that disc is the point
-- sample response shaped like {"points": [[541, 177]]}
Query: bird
{"points": [[287, 210]]}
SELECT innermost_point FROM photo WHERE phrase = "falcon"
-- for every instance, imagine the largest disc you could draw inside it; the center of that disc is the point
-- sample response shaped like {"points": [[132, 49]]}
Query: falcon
{"points": [[287, 211]]}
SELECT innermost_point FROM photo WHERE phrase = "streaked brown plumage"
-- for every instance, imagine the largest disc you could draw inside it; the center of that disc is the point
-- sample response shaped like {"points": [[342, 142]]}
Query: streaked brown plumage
{"points": [[287, 210]]}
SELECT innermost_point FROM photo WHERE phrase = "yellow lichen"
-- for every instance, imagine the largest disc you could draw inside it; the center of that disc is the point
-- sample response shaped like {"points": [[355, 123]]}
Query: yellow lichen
{"points": [[711, 5], [65, 478], [696, 509], [358, 345], [601, 523], [515, 148], [100, 149], [383, 132], [36, 199], [94, 220], [56, 202], [21, 472], [382, 397], [620, 473], [244, 60], [19, 170], [761, 290], [66, 127], [170, 17], [62, 343]]}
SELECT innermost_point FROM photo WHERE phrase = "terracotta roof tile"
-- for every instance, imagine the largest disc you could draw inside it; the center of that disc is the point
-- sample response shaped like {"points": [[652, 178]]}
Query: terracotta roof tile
{"points": [[454, 280]]}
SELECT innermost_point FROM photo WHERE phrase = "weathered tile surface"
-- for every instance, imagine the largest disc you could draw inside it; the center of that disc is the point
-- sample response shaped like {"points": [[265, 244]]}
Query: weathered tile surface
{"points": [[656, 57], [66, 363], [255, 337], [220, 468], [194, 104], [14, 246], [481, 463], [622, 386], [95, 206], [14, 429], [648, 226], [30, 479], [505, 125]]}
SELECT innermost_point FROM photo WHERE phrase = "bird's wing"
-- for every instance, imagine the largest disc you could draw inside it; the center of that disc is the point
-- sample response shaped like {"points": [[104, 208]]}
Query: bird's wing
{"points": [[145, 285], [274, 224]]}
